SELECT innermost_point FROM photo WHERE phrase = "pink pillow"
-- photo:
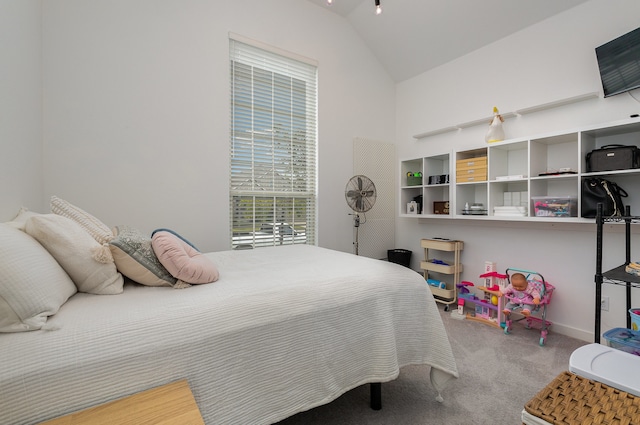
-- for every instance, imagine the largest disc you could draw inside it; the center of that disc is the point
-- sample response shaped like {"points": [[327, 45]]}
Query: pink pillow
{"points": [[183, 261]]}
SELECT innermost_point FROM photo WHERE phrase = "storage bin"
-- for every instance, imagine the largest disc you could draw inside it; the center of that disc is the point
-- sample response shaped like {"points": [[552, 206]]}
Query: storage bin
{"points": [[635, 318], [624, 339], [471, 169], [471, 163], [399, 256], [414, 179], [555, 206], [571, 399]]}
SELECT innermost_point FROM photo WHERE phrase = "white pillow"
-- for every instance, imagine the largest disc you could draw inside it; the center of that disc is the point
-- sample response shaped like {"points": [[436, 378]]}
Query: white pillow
{"points": [[134, 257], [77, 252], [33, 286]]}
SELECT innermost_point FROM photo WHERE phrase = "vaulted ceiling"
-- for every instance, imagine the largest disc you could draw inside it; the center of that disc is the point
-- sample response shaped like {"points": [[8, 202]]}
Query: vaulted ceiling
{"points": [[414, 36]]}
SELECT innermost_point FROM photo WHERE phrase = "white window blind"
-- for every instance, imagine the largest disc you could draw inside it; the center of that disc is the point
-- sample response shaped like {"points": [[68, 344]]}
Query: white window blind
{"points": [[273, 148]]}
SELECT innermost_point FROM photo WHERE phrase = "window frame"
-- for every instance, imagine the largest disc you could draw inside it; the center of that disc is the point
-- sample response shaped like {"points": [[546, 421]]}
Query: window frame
{"points": [[273, 146]]}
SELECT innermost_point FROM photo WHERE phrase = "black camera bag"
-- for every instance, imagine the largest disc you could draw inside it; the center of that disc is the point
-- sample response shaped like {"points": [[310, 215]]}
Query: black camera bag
{"points": [[613, 157]]}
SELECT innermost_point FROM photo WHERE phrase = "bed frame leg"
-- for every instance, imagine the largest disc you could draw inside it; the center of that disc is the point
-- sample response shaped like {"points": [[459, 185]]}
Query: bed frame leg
{"points": [[376, 395]]}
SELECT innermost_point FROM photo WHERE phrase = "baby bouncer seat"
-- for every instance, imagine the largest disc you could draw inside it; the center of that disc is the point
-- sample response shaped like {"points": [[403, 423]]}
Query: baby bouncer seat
{"points": [[537, 318]]}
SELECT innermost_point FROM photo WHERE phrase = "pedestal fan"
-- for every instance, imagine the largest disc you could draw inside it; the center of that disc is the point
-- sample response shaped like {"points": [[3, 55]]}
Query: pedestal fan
{"points": [[360, 194]]}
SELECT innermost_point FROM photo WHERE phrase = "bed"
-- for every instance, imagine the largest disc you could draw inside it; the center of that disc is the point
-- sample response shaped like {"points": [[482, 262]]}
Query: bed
{"points": [[284, 329]]}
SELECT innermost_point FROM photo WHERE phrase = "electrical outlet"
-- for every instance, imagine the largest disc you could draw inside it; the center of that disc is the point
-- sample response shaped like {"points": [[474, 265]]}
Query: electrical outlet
{"points": [[604, 304]]}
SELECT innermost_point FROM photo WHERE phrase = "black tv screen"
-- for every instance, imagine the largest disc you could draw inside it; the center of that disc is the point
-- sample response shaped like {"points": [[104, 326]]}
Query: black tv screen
{"points": [[619, 63]]}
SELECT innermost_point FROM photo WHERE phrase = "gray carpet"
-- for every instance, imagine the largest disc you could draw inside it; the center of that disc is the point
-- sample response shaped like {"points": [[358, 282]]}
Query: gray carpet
{"points": [[498, 374]]}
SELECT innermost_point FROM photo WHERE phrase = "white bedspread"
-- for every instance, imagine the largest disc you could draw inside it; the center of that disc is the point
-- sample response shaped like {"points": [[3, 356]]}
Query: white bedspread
{"points": [[284, 329]]}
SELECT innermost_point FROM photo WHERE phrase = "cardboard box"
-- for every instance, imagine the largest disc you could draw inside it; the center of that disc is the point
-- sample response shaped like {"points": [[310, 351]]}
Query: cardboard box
{"points": [[441, 207]]}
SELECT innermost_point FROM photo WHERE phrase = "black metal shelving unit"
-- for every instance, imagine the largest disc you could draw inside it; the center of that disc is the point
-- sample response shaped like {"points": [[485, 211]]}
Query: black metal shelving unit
{"points": [[617, 275]]}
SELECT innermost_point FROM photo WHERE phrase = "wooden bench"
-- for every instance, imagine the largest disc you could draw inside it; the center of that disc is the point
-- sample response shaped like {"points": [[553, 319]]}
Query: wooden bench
{"points": [[171, 404]]}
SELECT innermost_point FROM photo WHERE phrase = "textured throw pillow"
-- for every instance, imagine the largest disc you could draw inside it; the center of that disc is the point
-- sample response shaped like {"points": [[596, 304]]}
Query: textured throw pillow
{"points": [[181, 259], [77, 252], [96, 228], [33, 286], [134, 258]]}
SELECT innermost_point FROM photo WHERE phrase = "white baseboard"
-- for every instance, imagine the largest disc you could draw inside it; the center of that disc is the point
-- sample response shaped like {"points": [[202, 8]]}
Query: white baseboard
{"points": [[572, 332]]}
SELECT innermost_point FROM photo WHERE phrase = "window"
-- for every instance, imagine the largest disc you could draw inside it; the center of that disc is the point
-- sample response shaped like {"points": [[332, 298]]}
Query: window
{"points": [[273, 147]]}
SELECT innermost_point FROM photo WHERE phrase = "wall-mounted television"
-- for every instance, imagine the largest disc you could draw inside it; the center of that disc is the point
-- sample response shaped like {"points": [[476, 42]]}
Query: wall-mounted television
{"points": [[619, 63]]}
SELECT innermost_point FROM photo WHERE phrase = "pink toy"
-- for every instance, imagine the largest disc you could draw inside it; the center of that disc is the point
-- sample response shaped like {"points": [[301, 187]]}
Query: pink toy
{"points": [[464, 291], [484, 310], [501, 278], [463, 286], [533, 299]]}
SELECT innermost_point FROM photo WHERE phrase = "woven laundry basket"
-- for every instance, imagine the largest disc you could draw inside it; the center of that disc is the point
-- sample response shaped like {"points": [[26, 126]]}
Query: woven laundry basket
{"points": [[573, 400]]}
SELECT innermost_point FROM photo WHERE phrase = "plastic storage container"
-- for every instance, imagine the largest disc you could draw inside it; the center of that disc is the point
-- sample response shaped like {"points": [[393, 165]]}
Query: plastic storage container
{"points": [[607, 365], [624, 339], [635, 319], [555, 206]]}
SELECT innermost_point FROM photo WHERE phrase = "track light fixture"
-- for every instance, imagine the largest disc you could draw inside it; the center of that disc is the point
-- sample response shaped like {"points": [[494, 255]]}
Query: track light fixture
{"points": [[377, 3], [378, 7]]}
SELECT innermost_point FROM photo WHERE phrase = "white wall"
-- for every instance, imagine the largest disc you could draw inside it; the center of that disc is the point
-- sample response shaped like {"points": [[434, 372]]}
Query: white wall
{"points": [[136, 107], [546, 62], [20, 106]]}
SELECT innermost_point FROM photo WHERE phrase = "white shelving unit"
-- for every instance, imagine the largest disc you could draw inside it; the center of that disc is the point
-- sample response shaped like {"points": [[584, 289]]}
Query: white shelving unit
{"points": [[524, 168]]}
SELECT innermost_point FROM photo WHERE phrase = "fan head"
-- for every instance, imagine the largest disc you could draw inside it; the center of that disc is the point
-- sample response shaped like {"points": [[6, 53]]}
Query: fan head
{"points": [[360, 193]]}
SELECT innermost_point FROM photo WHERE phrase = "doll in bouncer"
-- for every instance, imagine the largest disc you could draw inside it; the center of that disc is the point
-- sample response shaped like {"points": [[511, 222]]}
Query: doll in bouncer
{"points": [[520, 294]]}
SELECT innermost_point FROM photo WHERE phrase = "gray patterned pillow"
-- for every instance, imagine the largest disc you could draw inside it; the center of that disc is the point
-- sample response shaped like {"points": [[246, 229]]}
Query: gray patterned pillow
{"points": [[134, 258]]}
